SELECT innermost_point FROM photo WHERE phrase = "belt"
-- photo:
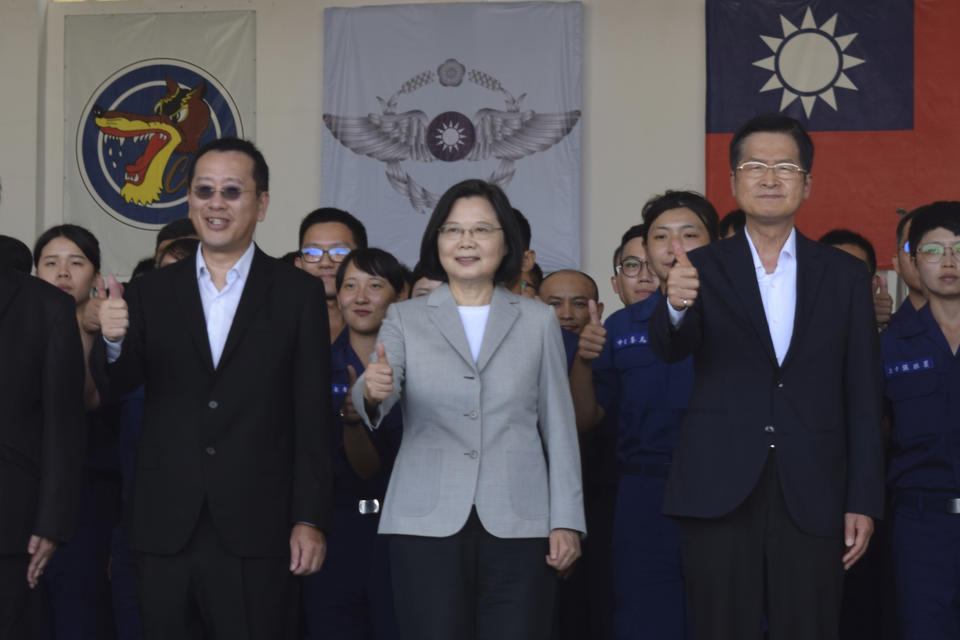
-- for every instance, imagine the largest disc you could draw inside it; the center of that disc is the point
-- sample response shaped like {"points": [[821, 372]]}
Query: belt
{"points": [[939, 504], [653, 469]]}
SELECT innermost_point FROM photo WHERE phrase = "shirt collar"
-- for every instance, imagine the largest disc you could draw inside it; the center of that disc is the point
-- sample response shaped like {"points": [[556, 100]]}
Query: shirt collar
{"points": [[239, 269], [788, 250]]}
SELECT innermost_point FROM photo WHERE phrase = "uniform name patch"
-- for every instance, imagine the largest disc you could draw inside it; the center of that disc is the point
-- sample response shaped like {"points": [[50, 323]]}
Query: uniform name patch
{"points": [[629, 340], [910, 366]]}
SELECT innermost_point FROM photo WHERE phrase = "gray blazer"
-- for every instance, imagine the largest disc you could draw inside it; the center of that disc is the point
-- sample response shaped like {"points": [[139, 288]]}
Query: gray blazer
{"points": [[470, 429]]}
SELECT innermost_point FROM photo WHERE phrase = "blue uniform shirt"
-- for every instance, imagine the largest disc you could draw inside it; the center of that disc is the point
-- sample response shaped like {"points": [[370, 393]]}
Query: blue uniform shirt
{"points": [[906, 312], [650, 395], [571, 341], [347, 485], [922, 387]]}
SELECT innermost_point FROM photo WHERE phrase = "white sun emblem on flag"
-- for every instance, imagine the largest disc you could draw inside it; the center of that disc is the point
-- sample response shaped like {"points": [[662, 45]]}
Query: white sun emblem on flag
{"points": [[808, 62], [450, 136]]}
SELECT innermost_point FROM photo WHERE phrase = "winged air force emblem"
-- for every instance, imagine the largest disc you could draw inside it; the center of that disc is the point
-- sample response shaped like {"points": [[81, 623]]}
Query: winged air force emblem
{"points": [[507, 135]]}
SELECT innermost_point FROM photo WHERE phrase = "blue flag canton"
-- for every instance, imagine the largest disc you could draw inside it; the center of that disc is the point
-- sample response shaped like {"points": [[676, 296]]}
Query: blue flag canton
{"points": [[833, 65]]}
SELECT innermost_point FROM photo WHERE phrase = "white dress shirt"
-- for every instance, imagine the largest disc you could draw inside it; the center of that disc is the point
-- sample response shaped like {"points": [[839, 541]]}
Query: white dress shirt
{"points": [[219, 307], [778, 291]]}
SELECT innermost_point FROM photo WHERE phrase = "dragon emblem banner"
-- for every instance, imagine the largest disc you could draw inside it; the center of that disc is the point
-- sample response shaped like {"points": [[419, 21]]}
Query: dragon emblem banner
{"points": [[142, 93], [419, 97]]}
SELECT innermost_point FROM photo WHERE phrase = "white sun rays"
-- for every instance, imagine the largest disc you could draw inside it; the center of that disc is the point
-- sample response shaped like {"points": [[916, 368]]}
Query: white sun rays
{"points": [[808, 62]]}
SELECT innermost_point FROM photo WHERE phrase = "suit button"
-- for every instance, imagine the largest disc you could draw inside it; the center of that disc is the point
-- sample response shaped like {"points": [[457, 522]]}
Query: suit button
{"points": [[769, 428], [473, 454], [473, 414], [211, 451], [213, 404], [780, 384]]}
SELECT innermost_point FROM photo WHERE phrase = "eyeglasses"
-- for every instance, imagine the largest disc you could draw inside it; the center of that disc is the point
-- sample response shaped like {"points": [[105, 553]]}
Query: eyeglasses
{"points": [[933, 252], [315, 254], [228, 193], [631, 267], [783, 170], [479, 232]]}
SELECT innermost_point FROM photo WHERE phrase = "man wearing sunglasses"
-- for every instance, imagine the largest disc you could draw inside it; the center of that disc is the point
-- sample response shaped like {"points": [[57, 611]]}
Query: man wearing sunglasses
{"points": [[327, 236], [232, 488], [921, 386]]}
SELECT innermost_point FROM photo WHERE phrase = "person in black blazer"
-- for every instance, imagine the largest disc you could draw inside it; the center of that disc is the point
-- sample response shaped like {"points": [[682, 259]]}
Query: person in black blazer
{"points": [[779, 469], [41, 440], [232, 485]]}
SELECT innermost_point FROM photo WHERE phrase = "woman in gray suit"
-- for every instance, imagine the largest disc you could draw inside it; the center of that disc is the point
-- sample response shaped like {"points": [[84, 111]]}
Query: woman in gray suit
{"points": [[484, 503]]}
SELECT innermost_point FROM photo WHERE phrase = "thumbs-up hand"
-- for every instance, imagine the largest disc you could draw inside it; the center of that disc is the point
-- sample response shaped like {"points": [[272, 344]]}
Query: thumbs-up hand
{"points": [[593, 336], [378, 378], [113, 316], [882, 301], [348, 414], [683, 282], [90, 309]]}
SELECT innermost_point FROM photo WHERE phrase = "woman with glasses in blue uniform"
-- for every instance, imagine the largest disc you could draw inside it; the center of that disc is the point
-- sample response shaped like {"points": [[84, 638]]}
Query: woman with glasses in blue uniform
{"points": [[648, 398], [352, 597]]}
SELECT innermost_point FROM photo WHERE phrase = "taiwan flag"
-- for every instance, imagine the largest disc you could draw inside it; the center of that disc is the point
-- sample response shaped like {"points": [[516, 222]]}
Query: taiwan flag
{"points": [[875, 82]]}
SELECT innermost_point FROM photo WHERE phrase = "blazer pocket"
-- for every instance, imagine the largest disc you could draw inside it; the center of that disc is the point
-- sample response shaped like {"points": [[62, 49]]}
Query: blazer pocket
{"points": [[415, 483], [529, 495]]}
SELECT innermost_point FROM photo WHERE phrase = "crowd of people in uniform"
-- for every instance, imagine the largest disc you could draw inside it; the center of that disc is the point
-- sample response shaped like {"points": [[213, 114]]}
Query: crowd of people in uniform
{"points": [[404, 406]]}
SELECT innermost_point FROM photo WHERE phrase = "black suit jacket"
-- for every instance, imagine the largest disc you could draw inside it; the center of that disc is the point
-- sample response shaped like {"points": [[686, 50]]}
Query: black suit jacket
{"points": [[42, 427], [821, 409], [248, 438]]}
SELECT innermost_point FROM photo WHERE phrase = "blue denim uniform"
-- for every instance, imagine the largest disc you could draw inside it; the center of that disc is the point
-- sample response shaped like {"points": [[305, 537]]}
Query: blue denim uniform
{"points": [[351, 596], [922, 388], [649, 398]]}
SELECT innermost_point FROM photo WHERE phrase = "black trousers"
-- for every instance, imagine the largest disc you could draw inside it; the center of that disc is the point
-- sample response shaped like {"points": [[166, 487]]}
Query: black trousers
{"points": [[206, 593], [472, 585], [24, 612], [756, 559]]}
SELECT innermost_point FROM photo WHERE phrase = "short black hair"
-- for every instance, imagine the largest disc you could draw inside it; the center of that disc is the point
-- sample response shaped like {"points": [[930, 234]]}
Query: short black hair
{"points": [[146, 265], [261, 172], [943, 213], [902, 224], [85, 241], [332, 214], [536, 276], [677, 200], [179, 248], [845, 236], [15, 254], [526, 235], [735, 220], [593, 283], [636, 231], [179, 228], [509, 267], [773, 123], [290, 257], [376, 262]]}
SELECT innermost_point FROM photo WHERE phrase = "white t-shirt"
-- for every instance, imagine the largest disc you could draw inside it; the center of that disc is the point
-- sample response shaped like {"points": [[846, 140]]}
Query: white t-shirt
{"points": [[474, 322]]}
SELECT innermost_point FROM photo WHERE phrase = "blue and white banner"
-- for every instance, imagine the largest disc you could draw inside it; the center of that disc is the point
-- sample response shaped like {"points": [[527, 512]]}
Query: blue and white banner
{"points": [[419, 97], [142, 93]]}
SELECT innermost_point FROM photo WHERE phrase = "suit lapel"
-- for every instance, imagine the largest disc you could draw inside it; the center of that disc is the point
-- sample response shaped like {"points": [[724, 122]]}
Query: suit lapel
{"points": [[443, 313], [503, 314], [252, 299], [810, 272], [188, 294], [742, 274]]}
